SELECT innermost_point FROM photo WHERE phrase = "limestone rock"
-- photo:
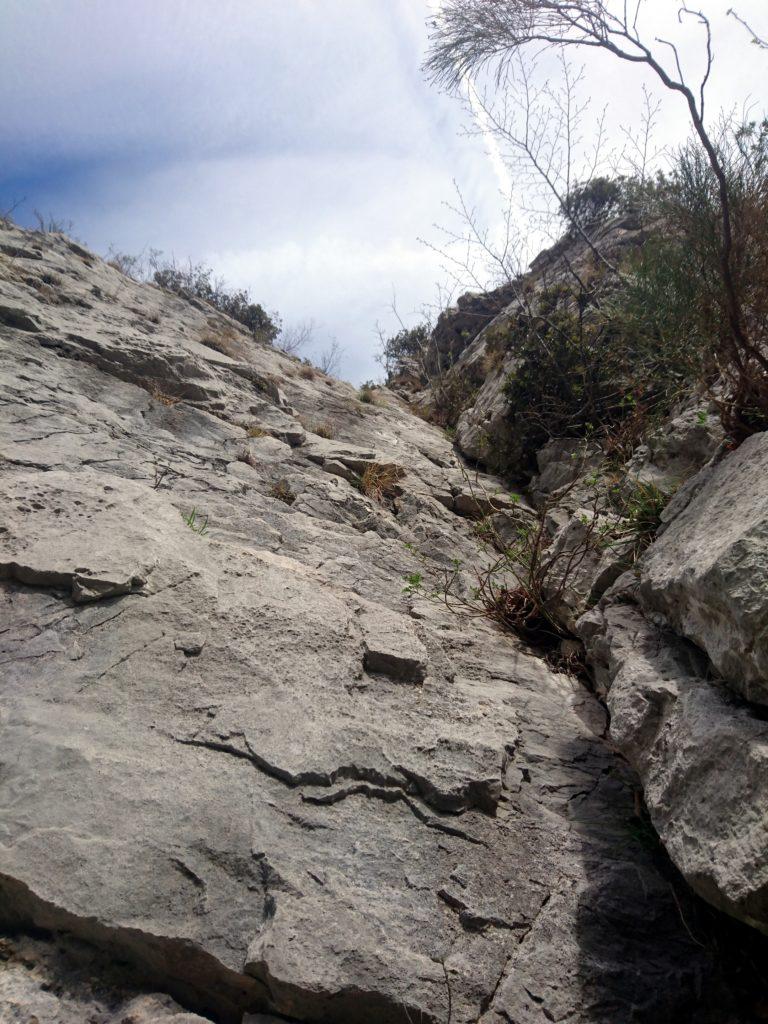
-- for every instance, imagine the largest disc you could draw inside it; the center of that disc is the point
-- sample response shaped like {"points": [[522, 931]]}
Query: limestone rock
{"points": [[17, 318], [482, 431], [673, 453], [584, 564], [392, 648], [258, 824], [80, 532], [560, 463], [702, 757], [707, 575]]}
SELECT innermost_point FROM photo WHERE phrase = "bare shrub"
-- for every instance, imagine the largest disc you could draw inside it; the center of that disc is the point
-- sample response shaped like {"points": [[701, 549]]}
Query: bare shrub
{"points": [[756, 40], [50, 225], [329, 361], [281, 490], [6, 216], [139, 267], [296, 337]]}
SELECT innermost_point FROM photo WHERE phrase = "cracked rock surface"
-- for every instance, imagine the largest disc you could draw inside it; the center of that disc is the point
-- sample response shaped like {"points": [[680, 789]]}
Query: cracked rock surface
{"points": [[235, 757], [700, 753], [707, 574]]}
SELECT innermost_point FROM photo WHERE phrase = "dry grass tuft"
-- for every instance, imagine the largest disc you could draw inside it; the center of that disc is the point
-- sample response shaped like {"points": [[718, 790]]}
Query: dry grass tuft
{"points": [[368, 396], [161, 396], [323, 428], [224, 339], [281, 490], [380, 481]]}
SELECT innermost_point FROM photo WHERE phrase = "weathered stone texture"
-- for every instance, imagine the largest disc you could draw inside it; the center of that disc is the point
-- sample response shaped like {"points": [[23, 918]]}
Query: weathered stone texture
{"points": [[234, 754], [707, 575], [701, 755]]}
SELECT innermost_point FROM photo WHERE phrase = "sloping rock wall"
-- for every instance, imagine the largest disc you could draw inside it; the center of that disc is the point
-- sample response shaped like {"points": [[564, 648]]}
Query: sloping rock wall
{"points": [[707, 575], [701, 755], [483, 431], [679, 647], [235, 756]]}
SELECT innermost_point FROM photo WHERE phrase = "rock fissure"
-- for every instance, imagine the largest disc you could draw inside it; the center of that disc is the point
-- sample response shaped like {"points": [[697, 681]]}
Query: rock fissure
{"points": [[121, 661], [389, 795], [369, 783]]}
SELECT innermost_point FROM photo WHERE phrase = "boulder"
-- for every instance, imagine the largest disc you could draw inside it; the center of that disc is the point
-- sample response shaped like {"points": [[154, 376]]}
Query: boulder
{"points": [[673, 453], [392, 648], [702, 757], [707, 575]]}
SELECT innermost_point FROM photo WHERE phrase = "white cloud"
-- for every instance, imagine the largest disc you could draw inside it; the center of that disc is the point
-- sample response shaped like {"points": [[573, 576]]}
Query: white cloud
{"points": [[292, 143]]}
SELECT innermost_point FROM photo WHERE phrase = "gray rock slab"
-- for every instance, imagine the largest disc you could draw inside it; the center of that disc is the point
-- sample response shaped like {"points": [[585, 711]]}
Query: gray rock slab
{"points": [[392, 648], [707, 575], [702, 758], [265, 826]]}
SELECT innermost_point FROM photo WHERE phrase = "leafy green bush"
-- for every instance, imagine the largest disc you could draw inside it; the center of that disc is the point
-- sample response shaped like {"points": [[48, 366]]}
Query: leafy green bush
{"points": [[595, 202], [692, 295], [584, 370], [409, 345]]}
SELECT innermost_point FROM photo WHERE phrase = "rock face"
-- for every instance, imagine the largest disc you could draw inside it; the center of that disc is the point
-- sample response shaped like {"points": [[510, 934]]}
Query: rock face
{"points": [[708, 573], [52, 982], [483, 431], [681, 650], [235, 757], [701, 755], [672, 454]]}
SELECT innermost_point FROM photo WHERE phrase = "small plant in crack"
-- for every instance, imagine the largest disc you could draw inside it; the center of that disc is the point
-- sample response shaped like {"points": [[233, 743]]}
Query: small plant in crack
{"points": [[161, 472], [640, 507], [522, 572], [281, 490], [197, 522], [379, 481], [414, 583]]}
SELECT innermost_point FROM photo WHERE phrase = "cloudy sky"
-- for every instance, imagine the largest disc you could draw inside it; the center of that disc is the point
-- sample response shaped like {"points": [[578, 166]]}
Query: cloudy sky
{"points": [[292, 144]]}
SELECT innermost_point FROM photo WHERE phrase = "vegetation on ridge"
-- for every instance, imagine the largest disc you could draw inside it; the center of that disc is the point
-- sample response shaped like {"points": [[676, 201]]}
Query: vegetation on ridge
{"points": [[658, 287]]}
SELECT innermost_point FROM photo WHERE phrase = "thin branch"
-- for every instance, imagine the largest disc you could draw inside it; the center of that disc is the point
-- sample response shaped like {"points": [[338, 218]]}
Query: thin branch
{"points": [[756, 39]]}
